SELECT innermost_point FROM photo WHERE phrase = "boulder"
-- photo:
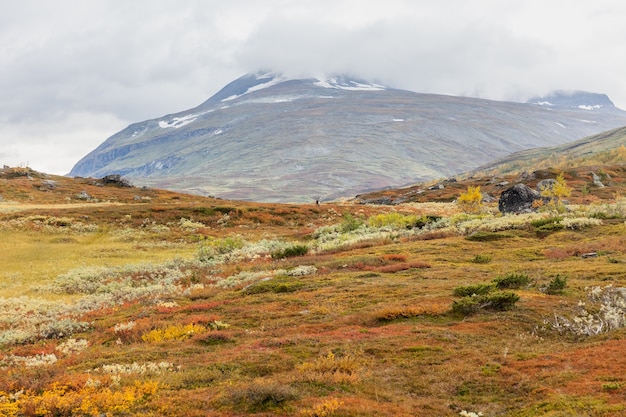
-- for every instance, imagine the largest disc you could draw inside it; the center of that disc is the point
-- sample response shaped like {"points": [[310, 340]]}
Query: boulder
{"points": [[518, 199], [116, 179]]}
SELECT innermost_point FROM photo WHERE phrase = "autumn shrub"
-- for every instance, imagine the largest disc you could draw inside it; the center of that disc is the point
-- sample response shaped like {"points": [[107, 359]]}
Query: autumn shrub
{"points": [[174, 332], [512, 281], [332, 369], [90, 399], [402, 266], [470, 201], [397, 220], [262, 395], [325, 409]]}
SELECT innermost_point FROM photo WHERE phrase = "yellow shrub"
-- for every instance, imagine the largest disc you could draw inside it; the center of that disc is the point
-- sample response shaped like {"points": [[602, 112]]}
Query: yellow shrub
{"points": [[325, 409], [470, 201], [330, 369], [176, 332]]}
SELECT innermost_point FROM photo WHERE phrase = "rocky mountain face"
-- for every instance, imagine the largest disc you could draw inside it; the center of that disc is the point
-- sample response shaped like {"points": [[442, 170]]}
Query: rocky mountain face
{"points": [[264, 137]]}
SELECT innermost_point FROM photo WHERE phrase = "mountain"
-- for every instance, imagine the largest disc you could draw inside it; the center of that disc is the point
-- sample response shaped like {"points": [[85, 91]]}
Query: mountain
{"points": [[266, 137], [603, 148], [574, 100]]}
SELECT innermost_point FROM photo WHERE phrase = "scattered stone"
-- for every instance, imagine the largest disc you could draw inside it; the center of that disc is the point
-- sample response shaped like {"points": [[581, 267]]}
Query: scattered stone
{"points": [[437, 187], [488, 198], [83, 195], [596, 180], [518, 199], [48, 185], [547, 184], [589, 255], [526, 176], [502, 184]]}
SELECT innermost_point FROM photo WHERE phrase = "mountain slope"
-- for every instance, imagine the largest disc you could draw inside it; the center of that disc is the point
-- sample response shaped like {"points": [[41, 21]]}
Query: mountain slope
{"points": [[268, 138], [605, 147]]}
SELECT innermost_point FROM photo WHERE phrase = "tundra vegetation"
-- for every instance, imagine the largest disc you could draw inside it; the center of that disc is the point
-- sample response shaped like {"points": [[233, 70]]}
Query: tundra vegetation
{"points": [[152, 303]]}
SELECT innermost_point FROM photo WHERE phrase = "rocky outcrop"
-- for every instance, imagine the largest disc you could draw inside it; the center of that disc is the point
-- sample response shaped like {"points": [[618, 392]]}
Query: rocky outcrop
{"points": [[117, 180], [518, 199]]}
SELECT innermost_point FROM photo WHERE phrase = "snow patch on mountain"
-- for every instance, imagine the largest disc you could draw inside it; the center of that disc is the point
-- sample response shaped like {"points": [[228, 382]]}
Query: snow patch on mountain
{"points": [[341, 83], [579, 100], [178, 122], [272, 79]]}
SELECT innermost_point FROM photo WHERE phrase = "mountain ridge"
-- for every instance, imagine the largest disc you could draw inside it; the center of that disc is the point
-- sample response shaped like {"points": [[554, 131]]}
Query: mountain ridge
{"points": [[270, 138]]}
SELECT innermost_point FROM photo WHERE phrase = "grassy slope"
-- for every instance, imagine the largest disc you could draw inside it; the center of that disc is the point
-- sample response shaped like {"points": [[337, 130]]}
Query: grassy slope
{"points": [[370, 334]]}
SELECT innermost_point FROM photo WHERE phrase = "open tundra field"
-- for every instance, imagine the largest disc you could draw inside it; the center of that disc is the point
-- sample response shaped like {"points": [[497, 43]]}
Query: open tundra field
{"points": [[118, 301]]}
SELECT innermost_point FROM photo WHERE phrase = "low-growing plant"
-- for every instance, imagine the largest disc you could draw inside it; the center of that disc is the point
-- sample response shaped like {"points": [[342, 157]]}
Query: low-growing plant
{"points": [[175, 332], [350, 223], [556, 285], [290, 252], [604, 311], [471, 290], [262, 395], [481, 259], [279, 284], [496, 301], [332, 369], [486, 236], [325, 409], [512, 281]]}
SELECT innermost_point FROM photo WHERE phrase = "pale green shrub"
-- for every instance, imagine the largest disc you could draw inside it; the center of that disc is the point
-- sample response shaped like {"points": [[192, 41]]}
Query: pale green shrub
{"points": [[606, 312], [147, 368], [72, 346]]}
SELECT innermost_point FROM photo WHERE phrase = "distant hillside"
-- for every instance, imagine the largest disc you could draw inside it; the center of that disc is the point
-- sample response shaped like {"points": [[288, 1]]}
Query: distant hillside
{"points": [[267, 138], [605, 148]]}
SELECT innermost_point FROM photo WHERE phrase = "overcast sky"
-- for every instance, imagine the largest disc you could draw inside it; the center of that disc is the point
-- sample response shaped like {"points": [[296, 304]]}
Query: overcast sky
{"points": [[74, 72]]}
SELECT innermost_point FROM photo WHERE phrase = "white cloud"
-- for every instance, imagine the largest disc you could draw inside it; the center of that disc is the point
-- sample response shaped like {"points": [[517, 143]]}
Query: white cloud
{"points": [[103, 64]]}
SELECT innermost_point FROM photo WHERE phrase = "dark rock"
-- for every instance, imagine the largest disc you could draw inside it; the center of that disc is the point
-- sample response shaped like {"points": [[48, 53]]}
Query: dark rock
{"points": [[518, 199], [117, 180]]}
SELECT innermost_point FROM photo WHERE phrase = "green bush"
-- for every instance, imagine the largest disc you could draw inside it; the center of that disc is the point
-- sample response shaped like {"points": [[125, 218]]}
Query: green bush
{"points": [[497, 301], [290, 252], [275, 285], [350, 223], [547, 221], [470, 290], [556, 285], [481, 259], [511, 281], [486, 236]]}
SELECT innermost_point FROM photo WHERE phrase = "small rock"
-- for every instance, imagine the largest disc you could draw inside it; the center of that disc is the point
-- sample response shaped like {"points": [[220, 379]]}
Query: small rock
{"points": [[596, 180], [589, 255], [83, 195]]}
